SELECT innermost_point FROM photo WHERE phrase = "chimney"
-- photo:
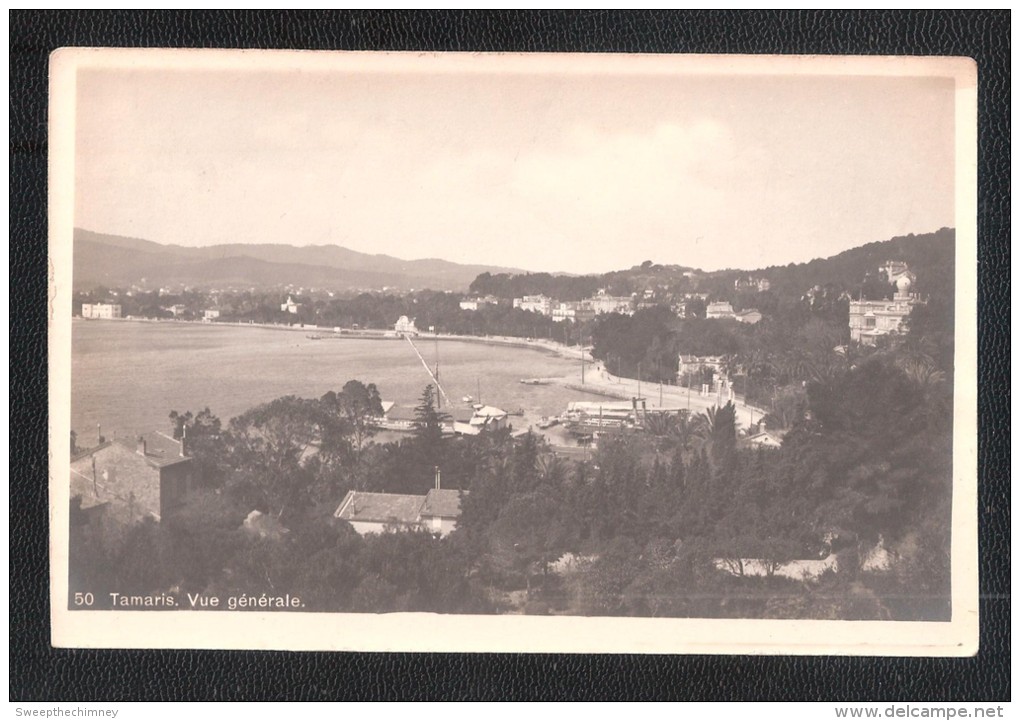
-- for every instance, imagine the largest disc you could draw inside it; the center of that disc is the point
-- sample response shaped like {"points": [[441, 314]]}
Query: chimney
{"points": [[184, 441], [437, 478], [141, 446]]}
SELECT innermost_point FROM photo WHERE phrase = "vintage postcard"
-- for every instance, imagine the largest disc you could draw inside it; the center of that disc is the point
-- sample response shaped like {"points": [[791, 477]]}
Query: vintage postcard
{"points": [[513, 353]]}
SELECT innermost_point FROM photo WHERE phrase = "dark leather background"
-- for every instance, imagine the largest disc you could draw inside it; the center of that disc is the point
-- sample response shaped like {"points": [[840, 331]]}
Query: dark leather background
{"points": [[42, 673]]}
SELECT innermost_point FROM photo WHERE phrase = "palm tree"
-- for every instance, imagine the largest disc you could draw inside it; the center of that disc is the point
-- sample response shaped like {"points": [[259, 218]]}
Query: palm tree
{"points": [[552, 469], [659, 424], [717, 431]]}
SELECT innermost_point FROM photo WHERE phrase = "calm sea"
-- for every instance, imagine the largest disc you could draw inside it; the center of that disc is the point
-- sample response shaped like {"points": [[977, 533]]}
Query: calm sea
{"points": [[128, 376]]}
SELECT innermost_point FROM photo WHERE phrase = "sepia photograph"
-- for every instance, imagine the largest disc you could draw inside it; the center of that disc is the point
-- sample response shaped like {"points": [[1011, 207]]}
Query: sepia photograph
{"points": [[489, 352]]}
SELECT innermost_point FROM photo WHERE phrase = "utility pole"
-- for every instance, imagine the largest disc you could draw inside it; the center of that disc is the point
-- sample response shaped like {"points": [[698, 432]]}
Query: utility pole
{"points": [[580, 345], [658, 371], [747, 399]]}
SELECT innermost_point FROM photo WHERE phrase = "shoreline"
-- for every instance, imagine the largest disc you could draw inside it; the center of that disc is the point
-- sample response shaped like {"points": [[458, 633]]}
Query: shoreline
{"points": [[597, 381], [328, 334]]}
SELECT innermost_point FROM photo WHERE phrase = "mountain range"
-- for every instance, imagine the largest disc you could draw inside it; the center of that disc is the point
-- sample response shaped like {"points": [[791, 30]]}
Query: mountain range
{"points": [[117, 261]]}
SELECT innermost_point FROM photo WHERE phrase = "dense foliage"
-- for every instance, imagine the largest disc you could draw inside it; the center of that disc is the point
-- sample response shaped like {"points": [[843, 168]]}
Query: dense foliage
{"points": [[657, 522]]}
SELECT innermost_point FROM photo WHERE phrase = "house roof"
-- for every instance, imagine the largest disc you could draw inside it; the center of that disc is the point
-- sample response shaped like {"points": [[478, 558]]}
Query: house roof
{"points": [[380, 507], [83, 487], [490, 412], [117, 474], [161, 450], [766, 438], [442, 502]]}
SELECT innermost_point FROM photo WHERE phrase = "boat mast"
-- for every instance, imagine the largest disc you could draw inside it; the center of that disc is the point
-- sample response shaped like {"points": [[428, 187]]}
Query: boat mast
{"points": [[439, 396]]}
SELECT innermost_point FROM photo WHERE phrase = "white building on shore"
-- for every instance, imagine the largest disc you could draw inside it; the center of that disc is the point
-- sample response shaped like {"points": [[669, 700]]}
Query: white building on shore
{"points": [[100, 310], [405, 325]]}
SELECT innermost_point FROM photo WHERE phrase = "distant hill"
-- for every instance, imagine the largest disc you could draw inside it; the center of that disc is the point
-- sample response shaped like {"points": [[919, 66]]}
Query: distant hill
{"points": [[930, 257], [113, 260]]}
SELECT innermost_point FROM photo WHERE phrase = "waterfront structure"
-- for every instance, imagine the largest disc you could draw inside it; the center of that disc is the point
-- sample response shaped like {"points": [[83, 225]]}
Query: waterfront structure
{"points": [[483, 418], [290, 306], [210, 314], [405, 325], [872, 319], [100, 310]]}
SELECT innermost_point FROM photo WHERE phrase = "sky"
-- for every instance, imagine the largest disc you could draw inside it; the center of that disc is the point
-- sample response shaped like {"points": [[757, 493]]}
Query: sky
{"points": [[575, 172]]}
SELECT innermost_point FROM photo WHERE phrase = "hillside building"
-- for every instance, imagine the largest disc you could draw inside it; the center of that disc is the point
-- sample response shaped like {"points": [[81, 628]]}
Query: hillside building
{"points": [[750, 316], [535, 303], [872, 319], [290, 306], [576, 312], [476, 303], [895, 269], [602, 303], [750, 283], [719, 310], [119, 483]]}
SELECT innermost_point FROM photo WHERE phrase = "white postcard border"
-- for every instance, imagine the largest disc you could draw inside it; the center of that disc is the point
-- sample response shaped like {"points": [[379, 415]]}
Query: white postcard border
{"points": [[417, 632]]}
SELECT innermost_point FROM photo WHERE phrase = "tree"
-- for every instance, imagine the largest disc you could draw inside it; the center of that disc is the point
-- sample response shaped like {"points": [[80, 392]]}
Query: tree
{"points": [[203, 437], [347, 425], [718, 431], [696, 308], [428, 421], [268, 445]]}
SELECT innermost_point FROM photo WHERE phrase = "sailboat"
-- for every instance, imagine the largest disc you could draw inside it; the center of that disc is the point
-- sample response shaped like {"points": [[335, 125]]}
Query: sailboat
{"points": [[470, 400]]}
